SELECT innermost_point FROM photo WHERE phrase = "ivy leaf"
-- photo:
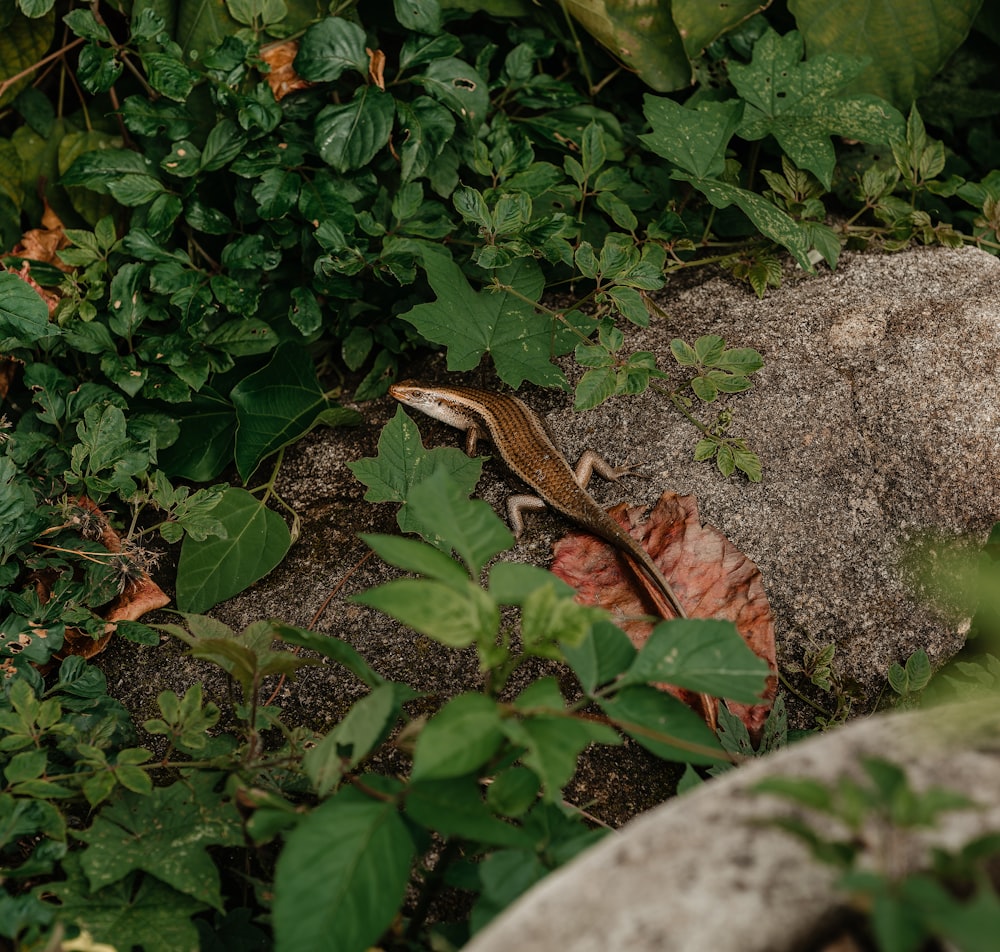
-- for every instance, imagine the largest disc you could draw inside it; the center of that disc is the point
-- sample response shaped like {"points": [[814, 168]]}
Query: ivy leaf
{"points": [[343, 872], [802, 103], [279, 404], [210, 571], [503, 323], [166, 833]]}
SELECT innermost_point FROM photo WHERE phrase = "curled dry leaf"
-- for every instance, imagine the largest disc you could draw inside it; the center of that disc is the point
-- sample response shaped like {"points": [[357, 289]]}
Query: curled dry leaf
{"points": [[376, 67], [140, 595], [42, 244], [282, 78], [711, 577]]}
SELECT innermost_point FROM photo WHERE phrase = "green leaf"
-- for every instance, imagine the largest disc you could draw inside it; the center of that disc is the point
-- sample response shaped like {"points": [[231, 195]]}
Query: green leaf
{"points": [[426, 128], [215, 569], [364, 726], [459, 87], [333, 648], [455, 618], [904, 42], [138, 911], [165, 833], [663, 725], [693, 139], [330, 47], [802, 104], [342, 874], [278, 405], [770, 220], [455, 807], [469, 526], [205, 444], [24, 40], [423, 16], [918, 670], [462, 737], [603, 654], [125, 175], [348, 136], [402, 463], [23, 313], [503, 324], [898, 679]]}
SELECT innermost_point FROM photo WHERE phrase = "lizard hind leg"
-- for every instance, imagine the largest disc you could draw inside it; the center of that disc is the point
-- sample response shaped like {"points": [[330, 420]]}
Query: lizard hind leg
{"points": [[591, 462], [520, 504]]}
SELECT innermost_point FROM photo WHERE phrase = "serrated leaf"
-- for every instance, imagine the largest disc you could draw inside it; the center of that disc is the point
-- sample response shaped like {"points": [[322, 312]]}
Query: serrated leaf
{"points": [[459, 739], [164, 833], [798, 103], [121, 173], [342, 874], [603, 654], [502, 324], [455, 807], [692, 139], [215, 569]]}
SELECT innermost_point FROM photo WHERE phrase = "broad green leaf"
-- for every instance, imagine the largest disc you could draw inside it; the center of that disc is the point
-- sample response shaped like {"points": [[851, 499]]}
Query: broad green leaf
{"points": [[455, 807], [802, 104], [421, 15], [330, 47], [278, 405], [215, 569], [426, 127], [513, 792], [693, 139], [548, 617], [23, 42], [472, 324], [23, 313], [138, 911], [457, 85], [454, 618], [663, 725], [165, 833], [643, 36], [459, 739], [363, 727], [470, 527], [905, 42], [513, 583], [348, 136], [702, 655], [603, 655], [169, 76], [125, 175], [342, 875], [402, 463], [700, 23], [206, 441]]}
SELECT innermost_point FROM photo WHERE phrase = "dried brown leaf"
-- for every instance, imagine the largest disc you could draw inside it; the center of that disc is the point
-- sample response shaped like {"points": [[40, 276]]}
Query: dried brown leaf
{"points": [[711, 577], [282, 78]]}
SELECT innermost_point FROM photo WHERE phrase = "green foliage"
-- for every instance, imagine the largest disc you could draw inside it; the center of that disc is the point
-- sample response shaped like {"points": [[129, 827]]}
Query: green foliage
{"points": [[948, 896], [426, 177]]}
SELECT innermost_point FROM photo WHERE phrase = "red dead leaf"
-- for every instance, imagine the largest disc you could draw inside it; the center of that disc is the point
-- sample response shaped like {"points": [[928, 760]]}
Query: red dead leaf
{"points": [[282, 78], [711, 577]]}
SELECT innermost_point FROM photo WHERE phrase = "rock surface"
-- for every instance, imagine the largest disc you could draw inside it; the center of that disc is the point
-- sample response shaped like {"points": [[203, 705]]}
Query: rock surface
{"points": [[876, 416], [709, 870]]}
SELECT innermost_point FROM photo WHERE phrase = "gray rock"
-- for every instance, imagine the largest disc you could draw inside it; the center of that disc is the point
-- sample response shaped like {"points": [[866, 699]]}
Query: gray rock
{"points": [[709, 870]]}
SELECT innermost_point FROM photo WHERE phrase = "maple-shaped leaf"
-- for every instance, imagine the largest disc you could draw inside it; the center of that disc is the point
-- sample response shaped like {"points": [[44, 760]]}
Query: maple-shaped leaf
{"points": [[164, 833], [403, 462], [802, 104], [136, 912], [711, 577], [501, 323]]}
